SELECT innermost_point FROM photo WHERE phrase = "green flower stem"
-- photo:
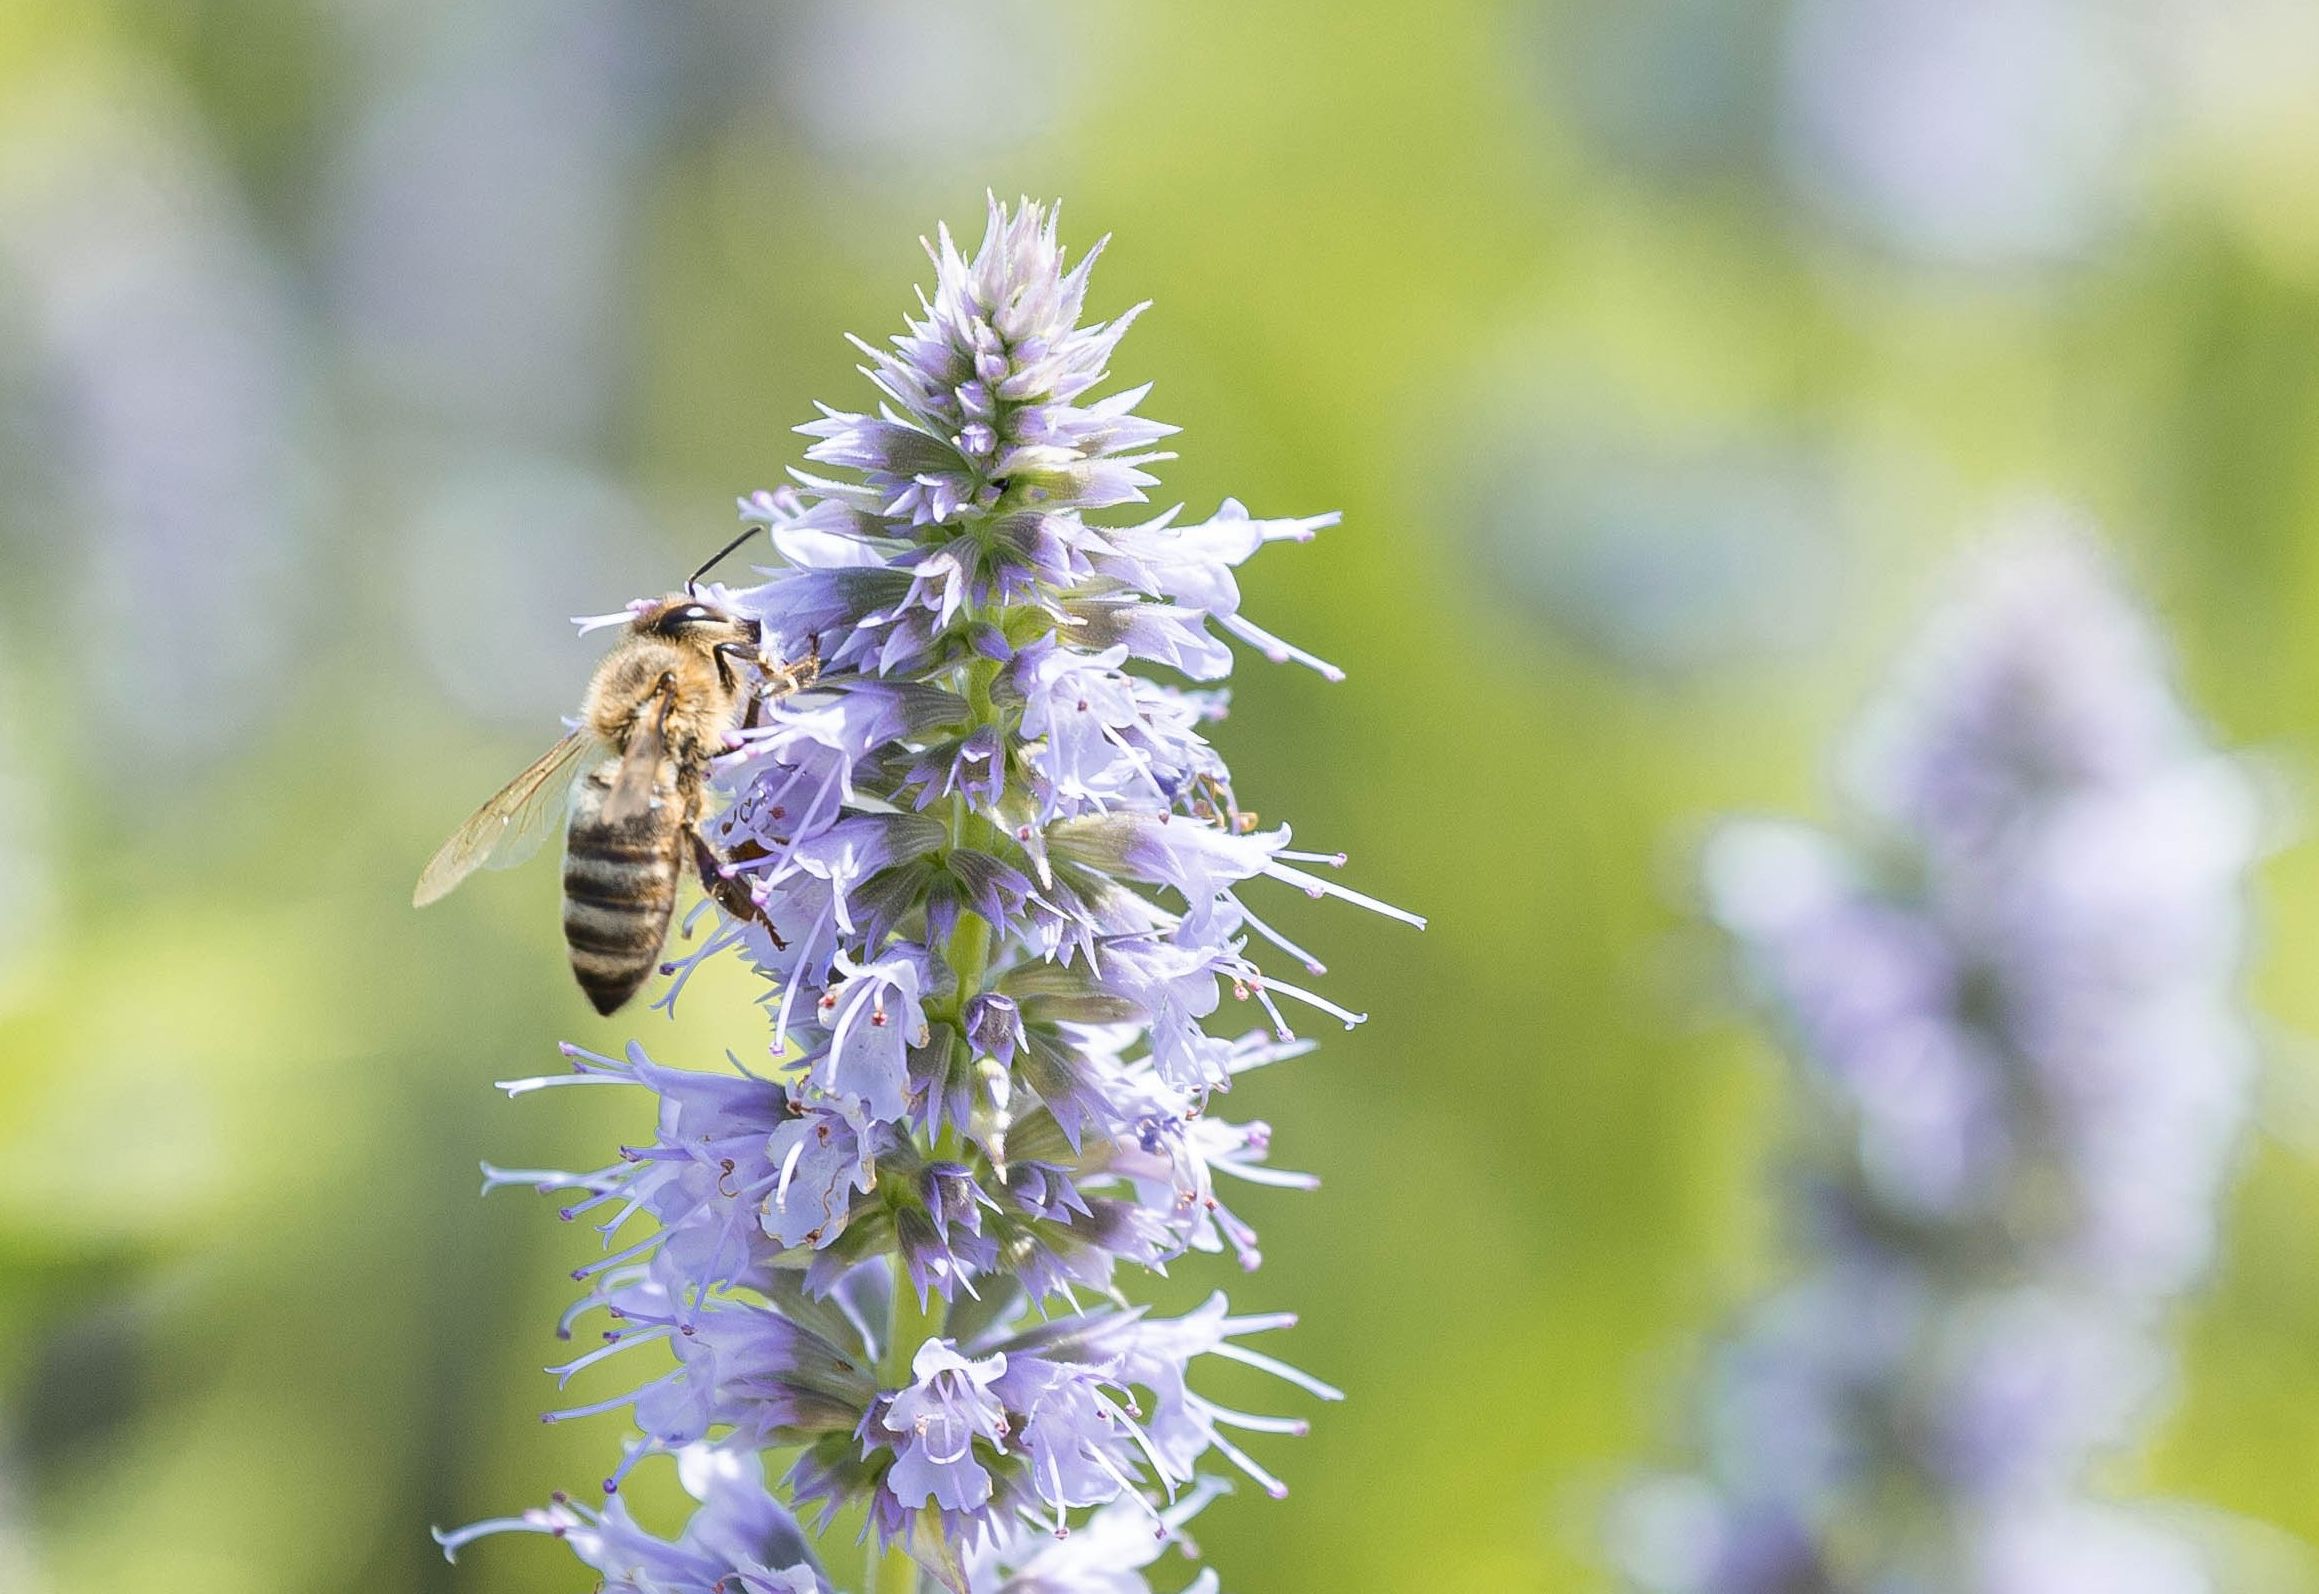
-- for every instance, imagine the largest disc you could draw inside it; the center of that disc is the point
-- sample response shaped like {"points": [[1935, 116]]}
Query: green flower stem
{"points": [[968, 951]]}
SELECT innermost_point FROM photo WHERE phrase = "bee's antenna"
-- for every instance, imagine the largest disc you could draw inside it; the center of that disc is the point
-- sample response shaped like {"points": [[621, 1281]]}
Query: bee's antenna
{"points": [[691, 581]]}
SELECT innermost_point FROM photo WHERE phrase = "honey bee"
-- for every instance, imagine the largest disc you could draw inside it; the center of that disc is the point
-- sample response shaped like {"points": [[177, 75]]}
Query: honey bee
{"points": [[633, 778]]}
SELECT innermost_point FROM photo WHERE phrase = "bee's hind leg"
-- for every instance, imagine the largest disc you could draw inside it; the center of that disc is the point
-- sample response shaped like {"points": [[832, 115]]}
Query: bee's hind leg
{"points": [[730, 890]]}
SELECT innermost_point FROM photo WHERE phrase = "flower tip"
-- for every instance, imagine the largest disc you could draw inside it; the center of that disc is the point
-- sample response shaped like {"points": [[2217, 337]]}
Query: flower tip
{"points": [[1277, 1489]]}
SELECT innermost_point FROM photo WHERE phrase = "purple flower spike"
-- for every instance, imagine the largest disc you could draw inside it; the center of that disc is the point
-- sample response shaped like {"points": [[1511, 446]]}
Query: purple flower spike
{"points": [[2010, 996], [996, 887]]}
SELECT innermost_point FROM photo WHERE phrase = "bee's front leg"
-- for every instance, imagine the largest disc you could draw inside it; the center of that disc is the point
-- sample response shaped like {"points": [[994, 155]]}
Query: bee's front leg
{"points": [[725, 653], [782, 677]]}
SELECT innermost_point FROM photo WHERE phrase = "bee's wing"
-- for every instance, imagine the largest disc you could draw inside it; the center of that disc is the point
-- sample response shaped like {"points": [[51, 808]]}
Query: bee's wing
{"points": [[510, 827], [632, 789]]}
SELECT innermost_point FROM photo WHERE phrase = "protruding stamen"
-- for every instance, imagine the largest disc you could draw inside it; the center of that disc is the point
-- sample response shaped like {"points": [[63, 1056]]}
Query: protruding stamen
{"points": [[1314, 885], [1278, 1369]]}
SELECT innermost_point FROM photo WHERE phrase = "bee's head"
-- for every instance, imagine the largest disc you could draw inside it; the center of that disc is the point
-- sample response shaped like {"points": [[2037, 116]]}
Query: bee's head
{"points": [[682, 617], [689, 617]]}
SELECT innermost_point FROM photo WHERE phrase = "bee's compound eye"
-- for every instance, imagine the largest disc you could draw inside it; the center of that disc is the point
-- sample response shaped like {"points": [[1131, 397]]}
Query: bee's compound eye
{"points": [[682, 615]]}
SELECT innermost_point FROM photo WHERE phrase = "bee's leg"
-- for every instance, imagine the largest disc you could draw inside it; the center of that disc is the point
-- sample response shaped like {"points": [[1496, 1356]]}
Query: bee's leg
{"points": [[731, 891], [722, 653], [641, 757], [804, 672], [779, 680], [753, 709], [663, 693], [659, 702], [794, 675]]}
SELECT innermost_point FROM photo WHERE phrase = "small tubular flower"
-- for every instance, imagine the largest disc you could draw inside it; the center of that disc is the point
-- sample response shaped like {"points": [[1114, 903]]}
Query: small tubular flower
{"points": [[995, 887]]}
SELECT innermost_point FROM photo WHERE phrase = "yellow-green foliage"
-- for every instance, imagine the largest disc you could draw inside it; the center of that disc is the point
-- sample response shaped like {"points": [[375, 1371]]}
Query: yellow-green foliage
{"points": [[256, 1332]]}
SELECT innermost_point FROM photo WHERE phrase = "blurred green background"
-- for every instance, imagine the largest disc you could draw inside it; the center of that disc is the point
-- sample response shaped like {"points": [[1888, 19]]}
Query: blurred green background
{"points": [[1655, 350]]}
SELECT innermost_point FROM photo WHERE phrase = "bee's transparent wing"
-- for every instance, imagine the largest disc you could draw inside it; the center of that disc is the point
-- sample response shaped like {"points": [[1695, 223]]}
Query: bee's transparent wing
{"points": [[510, 827]]}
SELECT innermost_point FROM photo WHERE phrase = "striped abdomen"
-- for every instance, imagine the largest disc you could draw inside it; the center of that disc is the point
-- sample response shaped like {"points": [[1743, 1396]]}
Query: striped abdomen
{"points": [[619, 890]]}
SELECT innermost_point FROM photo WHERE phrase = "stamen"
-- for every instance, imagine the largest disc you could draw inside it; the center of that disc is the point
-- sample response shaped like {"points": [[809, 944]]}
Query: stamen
{"points": [[1296, 1427], [1312, 965], [1256, 1323], [1126, 1487], [459, 1538], [788, 1167], [524, 1087], [1273, 648], [583, 1274], [1314, 885], [598, 1408], [564, 1373], [1278, 1369], [1246, 1463], [627, 1465], [1343, 1015], [1259, 1173]]}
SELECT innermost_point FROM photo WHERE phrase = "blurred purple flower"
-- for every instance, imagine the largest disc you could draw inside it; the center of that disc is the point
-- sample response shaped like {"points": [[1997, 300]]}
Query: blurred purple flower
{"points": [[476, 212], [167, 399], [2012, 1004], [1001, 886], [1978, 133], [925, 66]]}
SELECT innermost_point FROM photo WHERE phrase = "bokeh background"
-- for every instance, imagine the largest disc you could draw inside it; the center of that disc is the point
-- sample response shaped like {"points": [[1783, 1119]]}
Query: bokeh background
{"points": [[1657, 351]]}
